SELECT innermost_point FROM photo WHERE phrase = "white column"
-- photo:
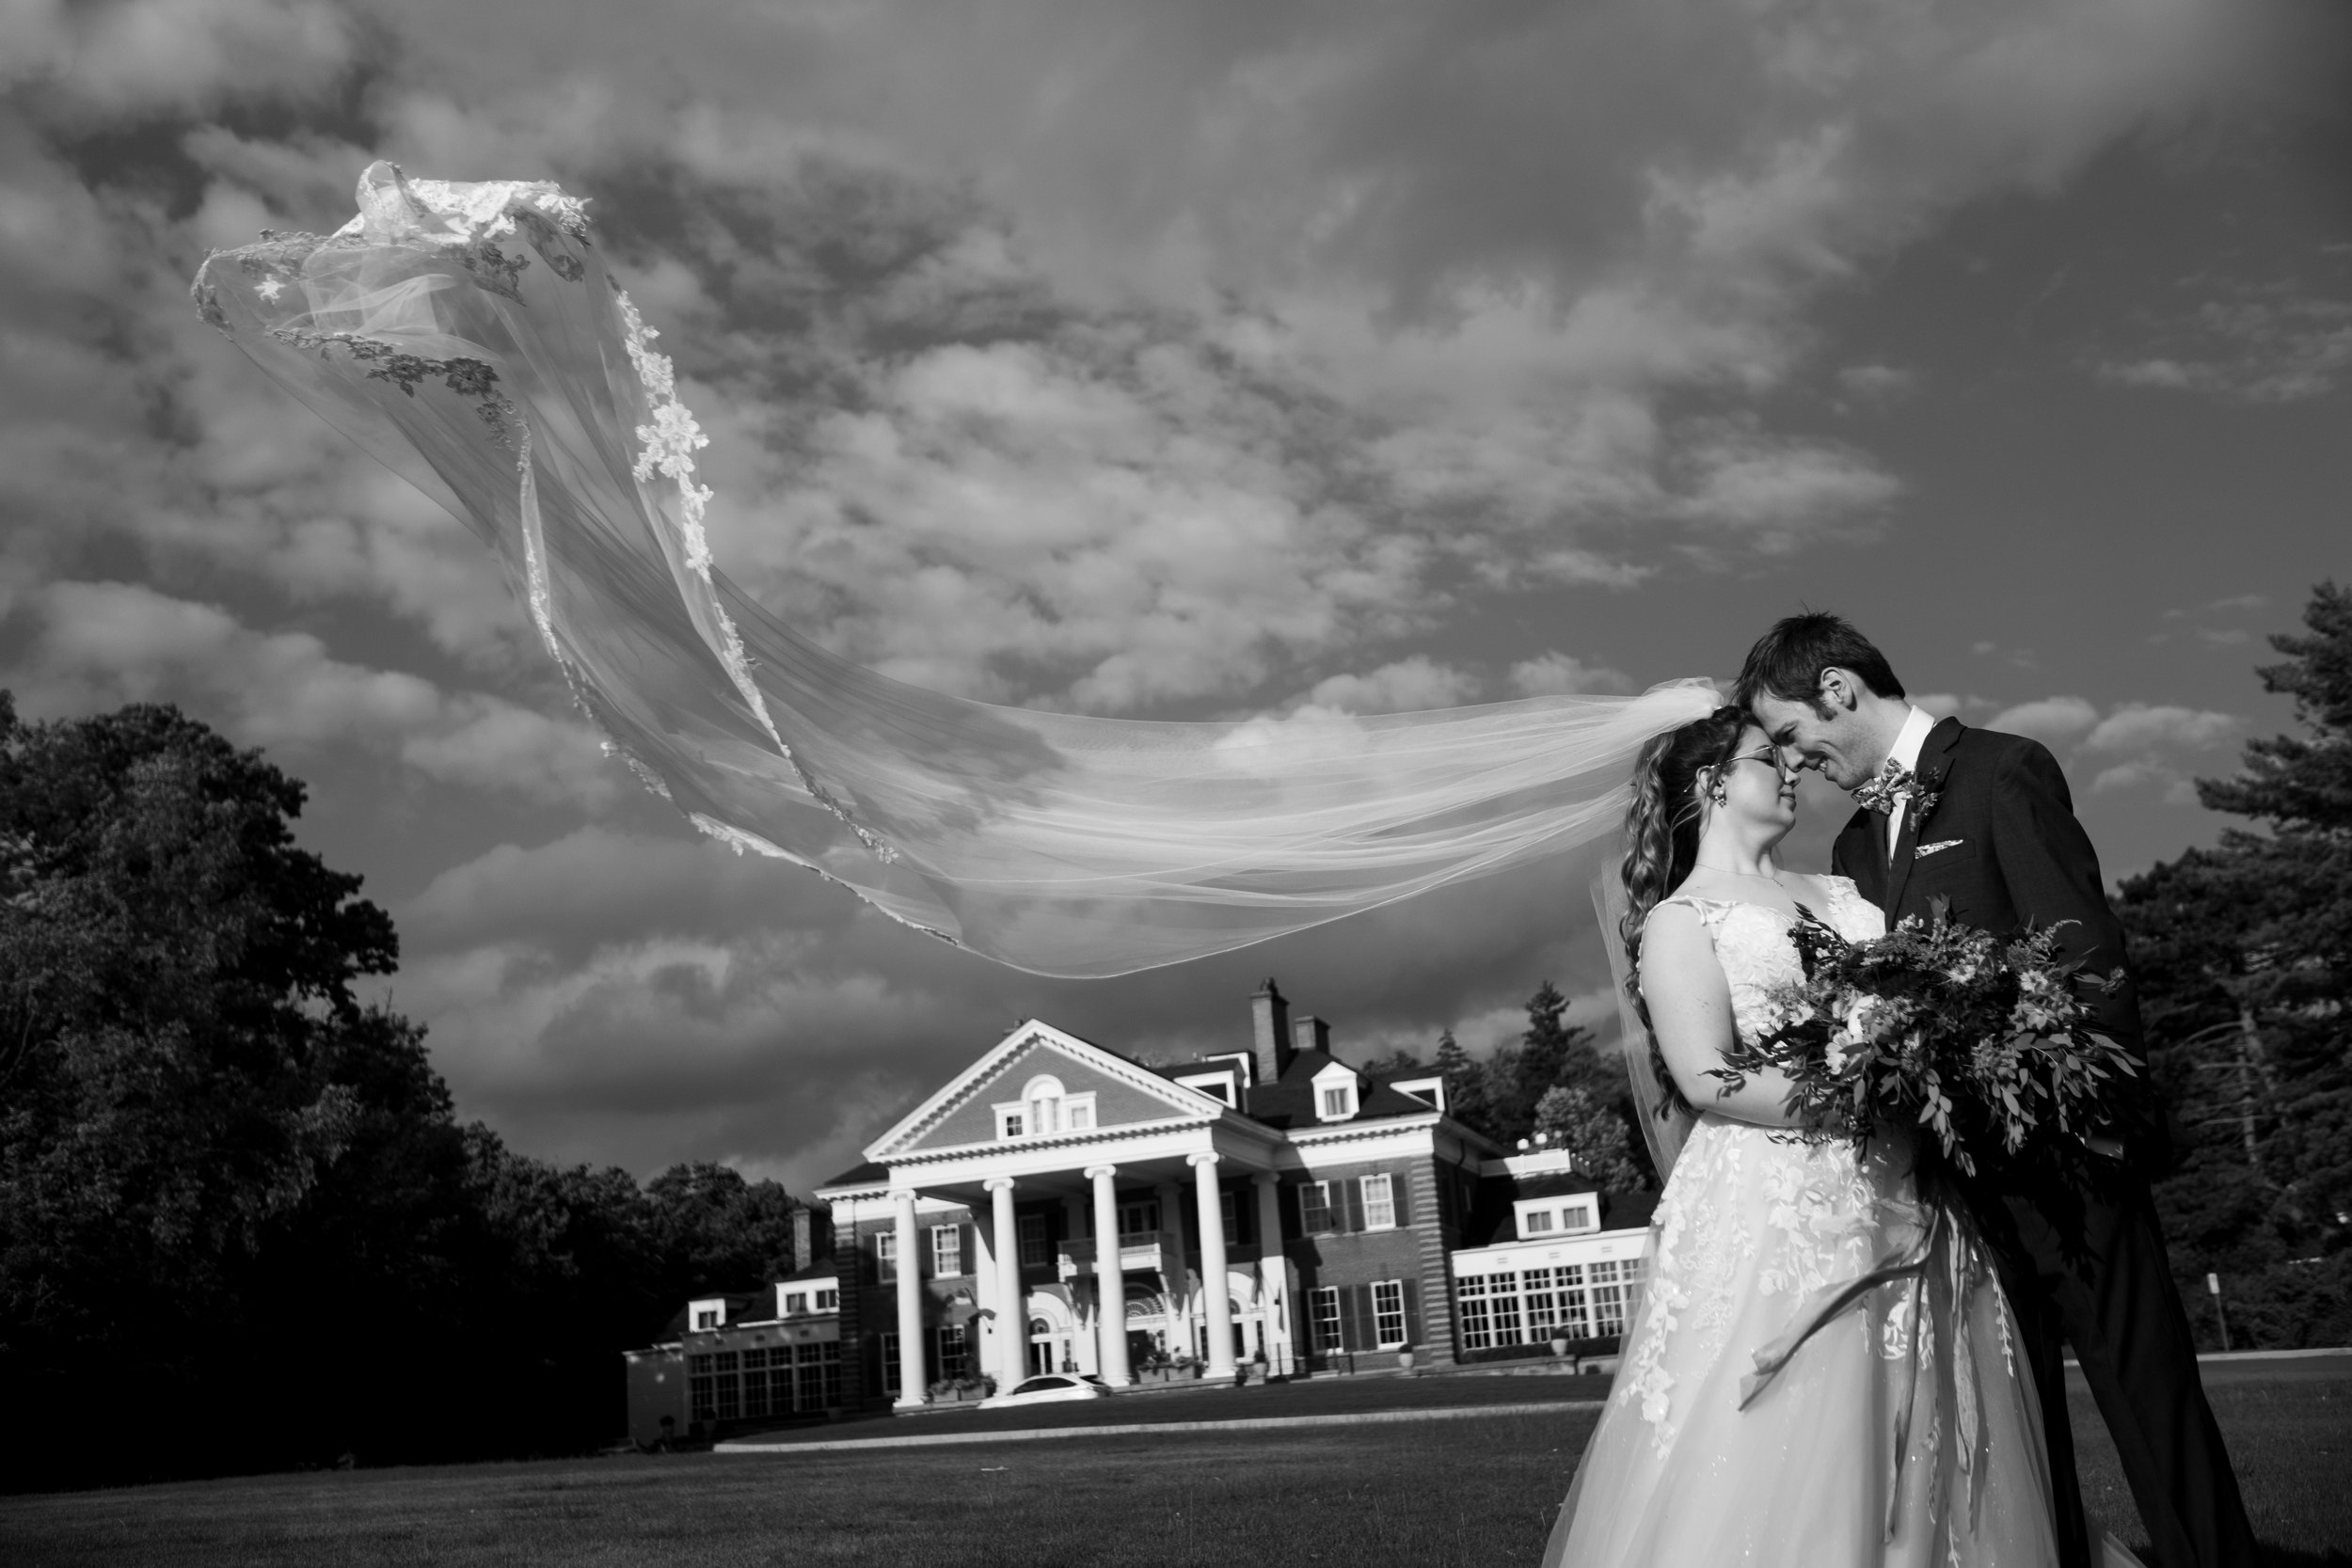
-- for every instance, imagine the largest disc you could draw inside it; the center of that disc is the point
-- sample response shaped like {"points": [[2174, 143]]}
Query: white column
{"points": [[1214, 1287], [1180, 1309], [981, 1327], [1012, 1309], [910, 1267], [1110, 1291], [1274, 1276]]}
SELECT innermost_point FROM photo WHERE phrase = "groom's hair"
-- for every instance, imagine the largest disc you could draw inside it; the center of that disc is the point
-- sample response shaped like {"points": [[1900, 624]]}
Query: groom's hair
{"points": [[1786, 661]]}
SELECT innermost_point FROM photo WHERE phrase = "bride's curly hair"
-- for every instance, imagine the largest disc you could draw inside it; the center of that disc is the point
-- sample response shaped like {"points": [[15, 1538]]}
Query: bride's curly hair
{"points": [[1661, 840]]}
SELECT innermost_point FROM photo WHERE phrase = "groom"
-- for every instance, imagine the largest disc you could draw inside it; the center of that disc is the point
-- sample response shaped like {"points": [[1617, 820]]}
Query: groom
{"points": [[1984, 820]]}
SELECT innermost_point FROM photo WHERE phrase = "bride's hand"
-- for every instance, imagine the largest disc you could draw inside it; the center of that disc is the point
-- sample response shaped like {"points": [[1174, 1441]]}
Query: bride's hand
{"points": [[1689, 1012]]}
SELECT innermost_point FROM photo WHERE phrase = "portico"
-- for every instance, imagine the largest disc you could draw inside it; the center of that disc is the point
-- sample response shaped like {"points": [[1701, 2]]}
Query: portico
{"points": [[1142, 1178]]}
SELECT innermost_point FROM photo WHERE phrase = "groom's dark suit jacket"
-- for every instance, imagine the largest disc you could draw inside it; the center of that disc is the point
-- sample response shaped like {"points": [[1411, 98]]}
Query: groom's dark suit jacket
{"points": [[2002, 845]]}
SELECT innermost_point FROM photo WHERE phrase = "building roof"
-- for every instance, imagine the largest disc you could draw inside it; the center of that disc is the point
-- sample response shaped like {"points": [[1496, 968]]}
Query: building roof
{"points": [[1492, 1218], [865, 1173], [1291, 1102]]}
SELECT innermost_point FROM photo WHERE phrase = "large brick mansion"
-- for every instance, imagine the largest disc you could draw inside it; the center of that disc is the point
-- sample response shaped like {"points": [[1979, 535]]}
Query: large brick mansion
{"points": [[1270, 1209]]}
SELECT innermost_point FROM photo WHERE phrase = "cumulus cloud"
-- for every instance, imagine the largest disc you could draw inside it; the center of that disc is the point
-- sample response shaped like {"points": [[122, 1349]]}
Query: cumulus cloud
{"points": [[2271, 345], [2052, 719], [98, 645], [1559, 675], [1259, 345], [2138, 726], [1407, 685], [133, 57]]}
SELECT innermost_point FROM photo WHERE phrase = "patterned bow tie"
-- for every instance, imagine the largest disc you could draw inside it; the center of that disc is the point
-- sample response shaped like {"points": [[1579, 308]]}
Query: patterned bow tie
{"points": [[1894, 783]]}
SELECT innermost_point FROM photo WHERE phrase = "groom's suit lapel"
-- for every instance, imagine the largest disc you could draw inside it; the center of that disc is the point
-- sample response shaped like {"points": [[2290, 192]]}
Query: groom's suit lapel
{"points": [[1932, 772]]}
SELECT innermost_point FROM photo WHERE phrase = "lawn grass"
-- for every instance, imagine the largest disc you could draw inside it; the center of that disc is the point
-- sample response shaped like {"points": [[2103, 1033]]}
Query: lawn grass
{"points": [[2291, 1443], [1470, 1492]]}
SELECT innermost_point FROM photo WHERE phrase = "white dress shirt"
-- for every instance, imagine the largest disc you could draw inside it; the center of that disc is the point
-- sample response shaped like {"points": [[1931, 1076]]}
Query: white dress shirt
{"points": [[1905, 753]]}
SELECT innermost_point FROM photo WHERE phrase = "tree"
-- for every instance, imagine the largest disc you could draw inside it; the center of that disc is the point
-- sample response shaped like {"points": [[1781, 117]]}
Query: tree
{"points": [[2243, 954], [1467, 1084], [1595, 1134], [236, 1198], [181, 1036]]}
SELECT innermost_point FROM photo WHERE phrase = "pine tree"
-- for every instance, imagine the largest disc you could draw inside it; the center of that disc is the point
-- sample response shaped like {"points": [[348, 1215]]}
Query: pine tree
{"points": [[2243, 954]]}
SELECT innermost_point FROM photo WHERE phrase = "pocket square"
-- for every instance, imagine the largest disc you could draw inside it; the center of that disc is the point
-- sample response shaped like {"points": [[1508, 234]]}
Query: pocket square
{"points": [[1924, 850]]}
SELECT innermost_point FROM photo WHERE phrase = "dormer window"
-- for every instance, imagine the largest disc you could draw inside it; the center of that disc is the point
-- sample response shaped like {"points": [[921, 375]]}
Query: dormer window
{"points": [[1044, 1109], [795, 1301], [1218, 1086], [1336, 1094], [707, 1314], [1555, 1216]]}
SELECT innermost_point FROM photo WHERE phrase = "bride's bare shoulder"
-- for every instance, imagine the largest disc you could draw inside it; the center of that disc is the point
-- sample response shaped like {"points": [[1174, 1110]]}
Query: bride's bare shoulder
{"points": [[1818, 888]]}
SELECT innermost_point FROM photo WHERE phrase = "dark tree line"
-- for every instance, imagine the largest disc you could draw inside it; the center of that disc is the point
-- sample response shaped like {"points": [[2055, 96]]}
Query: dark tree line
{"points": [[1555, 1082], [2244, 956], [238, 1214]]}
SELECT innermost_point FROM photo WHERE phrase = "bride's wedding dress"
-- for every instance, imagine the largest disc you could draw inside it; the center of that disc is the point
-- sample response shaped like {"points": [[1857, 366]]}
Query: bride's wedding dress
{"points": [[1904, 1431]]}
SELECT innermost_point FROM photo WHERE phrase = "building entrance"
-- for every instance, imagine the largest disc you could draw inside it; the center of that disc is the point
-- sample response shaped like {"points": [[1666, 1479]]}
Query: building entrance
{"points": [[1047, 1348]]}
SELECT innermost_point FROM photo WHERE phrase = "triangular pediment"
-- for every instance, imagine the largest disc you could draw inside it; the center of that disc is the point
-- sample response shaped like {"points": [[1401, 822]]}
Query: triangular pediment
{"points": [[963, 1112]]}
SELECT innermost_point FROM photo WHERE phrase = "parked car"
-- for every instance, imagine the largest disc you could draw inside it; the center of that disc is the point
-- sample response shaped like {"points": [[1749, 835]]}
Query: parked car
{"points": [[1051, 1389]]}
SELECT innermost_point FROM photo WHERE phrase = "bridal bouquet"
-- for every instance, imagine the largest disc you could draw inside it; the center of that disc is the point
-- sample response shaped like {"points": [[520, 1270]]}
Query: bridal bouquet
{"points": [[1985, 1041]]}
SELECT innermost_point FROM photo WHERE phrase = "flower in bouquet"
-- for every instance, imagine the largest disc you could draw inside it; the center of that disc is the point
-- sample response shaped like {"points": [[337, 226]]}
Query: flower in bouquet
{"points": [[1986, 1043]]}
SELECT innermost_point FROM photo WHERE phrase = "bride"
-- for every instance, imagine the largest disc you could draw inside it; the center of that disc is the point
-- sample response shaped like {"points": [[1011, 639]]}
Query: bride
{"points": [[1904, 1429]]}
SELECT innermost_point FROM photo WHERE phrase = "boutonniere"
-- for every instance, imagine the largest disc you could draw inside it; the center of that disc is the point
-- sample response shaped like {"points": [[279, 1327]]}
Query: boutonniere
{"points": [[1926, 793]]}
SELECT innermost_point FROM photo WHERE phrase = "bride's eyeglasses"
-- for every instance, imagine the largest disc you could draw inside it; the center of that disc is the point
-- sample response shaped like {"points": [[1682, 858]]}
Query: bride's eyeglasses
{"points": [[1768, 754]]}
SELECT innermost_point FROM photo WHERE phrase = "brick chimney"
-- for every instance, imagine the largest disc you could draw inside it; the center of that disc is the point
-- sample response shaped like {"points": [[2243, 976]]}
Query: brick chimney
{"points": [[1272, 1017], [1310, 1033]]}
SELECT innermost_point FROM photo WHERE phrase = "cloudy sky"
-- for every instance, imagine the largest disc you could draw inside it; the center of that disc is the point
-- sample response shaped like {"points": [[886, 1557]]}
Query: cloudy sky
{"points": [[1175, 360]]}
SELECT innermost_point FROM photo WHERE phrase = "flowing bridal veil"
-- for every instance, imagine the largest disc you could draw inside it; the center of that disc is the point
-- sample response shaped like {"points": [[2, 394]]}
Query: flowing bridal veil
{"points": [[470, 337]]}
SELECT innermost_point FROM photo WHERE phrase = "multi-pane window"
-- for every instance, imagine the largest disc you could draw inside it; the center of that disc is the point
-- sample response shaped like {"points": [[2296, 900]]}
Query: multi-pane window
{"points": [[1379, 1195], [756, 1387], [722, 1369], [1576, 1306], [1032, 1228], [1314, 1207], [1338, 1100], [1011, 1125], [795, 1301], [1078, 1116], [1503, 1302], [1136, 1218], [1230, 1212], [828, 1301], [701, 1399], [955, 1350], [1388, 1312], [890, 1359], [1540, 1296], [1573, 1301], [1608, 1289], [1324, 1304], [1576, 1216], [706, 1317], [886, 1254], [947, 1249], [1535, 1222], [1478, 1326]]}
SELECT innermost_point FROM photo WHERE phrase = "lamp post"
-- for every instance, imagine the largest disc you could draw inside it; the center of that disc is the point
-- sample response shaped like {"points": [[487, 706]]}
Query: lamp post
{"points": [[2213, 1286]]}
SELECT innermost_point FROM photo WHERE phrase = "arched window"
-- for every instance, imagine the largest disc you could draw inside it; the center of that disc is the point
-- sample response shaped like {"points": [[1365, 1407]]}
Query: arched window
{"points": [[1043, 1098]]}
